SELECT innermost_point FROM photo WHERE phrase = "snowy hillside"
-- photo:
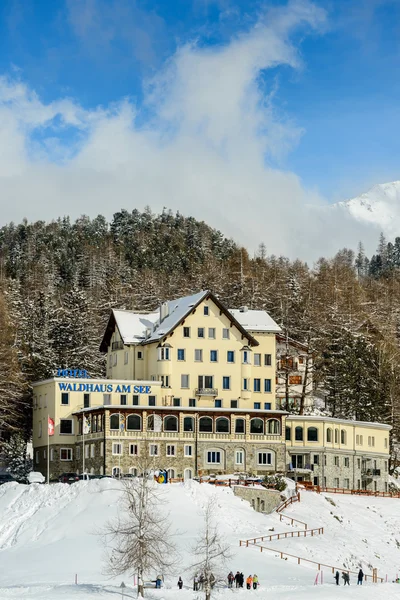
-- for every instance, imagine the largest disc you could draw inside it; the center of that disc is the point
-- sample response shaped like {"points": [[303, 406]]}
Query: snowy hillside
{"points": [[50, 533], [378, 206]]}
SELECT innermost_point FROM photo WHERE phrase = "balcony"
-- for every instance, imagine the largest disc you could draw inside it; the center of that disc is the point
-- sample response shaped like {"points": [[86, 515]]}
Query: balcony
{"points": [[206, 392], [306, 469], [117, 345], [370, 473]]}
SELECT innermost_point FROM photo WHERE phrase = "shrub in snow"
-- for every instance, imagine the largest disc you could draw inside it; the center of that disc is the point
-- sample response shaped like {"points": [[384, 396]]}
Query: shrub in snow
{"points": [[275, 482], [18, 462]]}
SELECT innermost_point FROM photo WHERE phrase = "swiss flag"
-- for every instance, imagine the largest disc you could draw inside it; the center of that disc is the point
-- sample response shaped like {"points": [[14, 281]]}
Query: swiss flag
{"points": [[51, 426]]}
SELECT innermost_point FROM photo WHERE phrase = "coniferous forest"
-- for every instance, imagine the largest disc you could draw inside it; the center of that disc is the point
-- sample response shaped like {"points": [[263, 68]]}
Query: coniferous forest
{"points": [[59, 281]]}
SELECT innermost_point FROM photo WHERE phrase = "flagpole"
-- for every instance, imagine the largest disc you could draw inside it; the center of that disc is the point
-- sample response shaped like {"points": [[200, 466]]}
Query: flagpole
{"points": [[48, 450]]}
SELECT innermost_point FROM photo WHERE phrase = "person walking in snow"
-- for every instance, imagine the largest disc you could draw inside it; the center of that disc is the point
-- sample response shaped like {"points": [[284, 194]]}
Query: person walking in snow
{"points": [[249, 582], [360, 577], [241, 579], [195, 583], [231, 578], [180, 583], [237, 579], [337, 575], [255, 582], [201, 581], [346, 578]]}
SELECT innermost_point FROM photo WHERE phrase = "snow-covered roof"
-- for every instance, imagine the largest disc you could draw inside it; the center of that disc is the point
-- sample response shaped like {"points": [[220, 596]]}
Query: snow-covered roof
{"points": [[255, 320], [132, 326], [177, 310]]}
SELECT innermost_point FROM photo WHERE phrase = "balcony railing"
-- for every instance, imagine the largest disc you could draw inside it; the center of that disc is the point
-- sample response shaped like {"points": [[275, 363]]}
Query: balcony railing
{"points": [[117, 345], [206, 392], [371, 473]]}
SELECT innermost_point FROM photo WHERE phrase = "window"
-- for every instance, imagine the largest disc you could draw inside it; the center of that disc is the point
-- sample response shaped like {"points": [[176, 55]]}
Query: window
{"points": [[65, 454], [234, 403], [66, 426], [257, 360], [87, 451], [188, 424], [218, 403], [170, 423], [213, 355], [315, 480], [336, 482], [288, 434], [361, 440], [245, 384], [152, 400], [133, 449], [135, 400], [230, 356], [126, 357], [386, 466], [257, 405], [343, 437], [316, 459], [177, 401], [264, 458], [140, 355], [359, 463], [171, 450], [92, 450], [211, 333], [226, 383], [295, 380], [86, 400], [206, 311], [181, 354], [267, 385], [257, 385], [239, 457], [164, 353], [115, 359], [267, 360], [336, 461], [246, 357], [205, 425], [37, 457], [222, 425], [312, 434], [114, 422], [225, 334], [186, 332], [336, 436], [184, 381], [214, 457], [298, 434], [256, 426], [117, 448], [198, 355], [40, 429], [273, 426], [192, 402], [102, 449], [267, 405], [200, 332], [372, 441], [347, 461], [187, 450], [329, 435], [133, 423], [106, 399], [65, 398], [239, 426], [153, 449], [205, 382], [123, 399]]}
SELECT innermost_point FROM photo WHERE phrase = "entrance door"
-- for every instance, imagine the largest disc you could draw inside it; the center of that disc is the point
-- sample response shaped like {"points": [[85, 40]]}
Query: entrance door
{"points": [[187, 474]]}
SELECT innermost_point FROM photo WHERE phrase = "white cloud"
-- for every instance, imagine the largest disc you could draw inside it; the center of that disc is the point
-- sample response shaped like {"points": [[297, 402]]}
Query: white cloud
{"points": [[204, 150]]}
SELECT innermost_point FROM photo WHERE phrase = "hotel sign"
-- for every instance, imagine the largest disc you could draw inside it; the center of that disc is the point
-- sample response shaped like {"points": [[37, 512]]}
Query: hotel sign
{"points": [[76, 373], [105, 388]]}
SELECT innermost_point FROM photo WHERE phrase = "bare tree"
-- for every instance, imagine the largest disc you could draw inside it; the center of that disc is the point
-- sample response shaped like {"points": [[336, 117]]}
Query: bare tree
{"points": [[139, 540], [210, 551]]}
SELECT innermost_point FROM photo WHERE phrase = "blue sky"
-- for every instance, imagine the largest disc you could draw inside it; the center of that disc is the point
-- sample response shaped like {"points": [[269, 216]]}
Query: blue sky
{"points": [[327, 116]]}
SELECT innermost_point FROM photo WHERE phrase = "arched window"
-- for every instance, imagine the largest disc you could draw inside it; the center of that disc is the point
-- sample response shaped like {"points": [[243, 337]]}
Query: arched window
{"points": [[273, 426], [171, 473], [187, 474], [343, 437], [205, 425], [188, 424], [133, 471], [222, 425], [240, 426], [116, 472], [256, 426], [134, 423], [170, 423], [298, 434], [329, 435], [312, 434], [154, 423], [336, 436], [114, 422]]}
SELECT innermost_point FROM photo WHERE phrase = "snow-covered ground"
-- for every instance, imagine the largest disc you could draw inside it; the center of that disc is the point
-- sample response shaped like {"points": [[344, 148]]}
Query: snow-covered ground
{"points": [[49, 534]]}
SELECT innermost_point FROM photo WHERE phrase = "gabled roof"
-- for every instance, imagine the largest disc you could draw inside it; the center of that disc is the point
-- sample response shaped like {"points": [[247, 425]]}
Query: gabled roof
{"points": [[255, 320], [132, 326]]}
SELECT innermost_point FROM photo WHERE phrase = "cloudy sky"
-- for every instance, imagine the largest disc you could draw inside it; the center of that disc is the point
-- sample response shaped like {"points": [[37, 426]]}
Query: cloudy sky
{"points": [[254, 116]]}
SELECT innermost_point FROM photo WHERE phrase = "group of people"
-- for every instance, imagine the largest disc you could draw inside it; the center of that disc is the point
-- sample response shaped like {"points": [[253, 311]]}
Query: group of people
{"points": [[200, 580], [238, 579], [346, 577]]}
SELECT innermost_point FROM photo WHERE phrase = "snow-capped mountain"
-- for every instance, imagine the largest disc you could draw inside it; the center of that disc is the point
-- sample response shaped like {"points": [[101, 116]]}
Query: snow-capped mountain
{"points": [[379, 206]]}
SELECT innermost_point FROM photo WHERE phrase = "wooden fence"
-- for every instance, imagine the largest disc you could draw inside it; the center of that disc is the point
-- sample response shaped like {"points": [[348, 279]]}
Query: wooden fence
{"points": [[332, 490], [284, 535]]}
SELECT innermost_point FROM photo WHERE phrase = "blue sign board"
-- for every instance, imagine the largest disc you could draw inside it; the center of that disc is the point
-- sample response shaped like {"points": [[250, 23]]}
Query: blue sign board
{"points": [[76, 373], [104, 388]]}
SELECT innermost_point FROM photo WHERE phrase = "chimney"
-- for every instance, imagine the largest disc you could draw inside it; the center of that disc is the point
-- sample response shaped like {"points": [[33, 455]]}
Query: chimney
{"points": [[243, 309], [164, 311]]}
